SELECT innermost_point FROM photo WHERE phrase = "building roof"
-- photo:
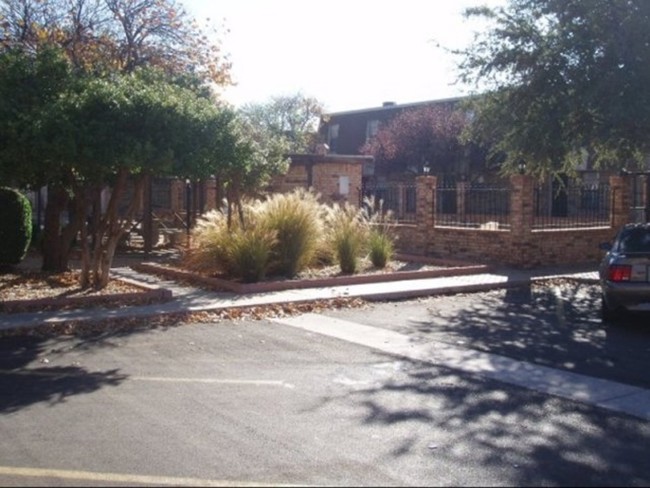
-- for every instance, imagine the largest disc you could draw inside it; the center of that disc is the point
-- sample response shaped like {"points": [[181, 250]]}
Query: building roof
{"points": [[388, 106], [328, 158]]}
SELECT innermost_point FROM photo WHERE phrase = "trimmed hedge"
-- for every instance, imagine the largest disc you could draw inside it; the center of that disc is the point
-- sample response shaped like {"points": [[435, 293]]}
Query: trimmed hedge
{"points": [[15, 226]]}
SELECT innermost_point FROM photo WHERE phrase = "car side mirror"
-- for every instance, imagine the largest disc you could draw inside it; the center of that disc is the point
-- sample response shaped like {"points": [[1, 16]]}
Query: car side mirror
{"points": [[605, 246]]}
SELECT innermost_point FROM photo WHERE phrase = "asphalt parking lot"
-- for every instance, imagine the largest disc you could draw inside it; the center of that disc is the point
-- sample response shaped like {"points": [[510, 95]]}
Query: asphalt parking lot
{"points": [[257, 402]]}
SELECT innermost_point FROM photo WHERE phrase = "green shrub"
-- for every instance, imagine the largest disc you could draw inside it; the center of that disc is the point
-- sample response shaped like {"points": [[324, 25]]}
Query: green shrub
{"points": [[15, 226], [296, 219], [249, 252], [209, 239], [285, 234], [380, 247], [347, 232], [381, 237], [239, 252]]}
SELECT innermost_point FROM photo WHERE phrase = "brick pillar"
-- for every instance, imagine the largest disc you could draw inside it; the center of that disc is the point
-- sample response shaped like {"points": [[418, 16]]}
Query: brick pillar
{"points": [[521, 220], [425, 187], [619, 186]]}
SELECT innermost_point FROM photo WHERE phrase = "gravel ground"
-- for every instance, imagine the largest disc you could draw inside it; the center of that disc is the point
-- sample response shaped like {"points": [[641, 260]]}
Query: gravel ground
{"points": [[29, 285]]}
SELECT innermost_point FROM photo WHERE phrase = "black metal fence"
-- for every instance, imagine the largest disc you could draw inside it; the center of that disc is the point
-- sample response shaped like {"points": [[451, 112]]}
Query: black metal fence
{"points": [[398, 198], [571, 206], [473, 206]]}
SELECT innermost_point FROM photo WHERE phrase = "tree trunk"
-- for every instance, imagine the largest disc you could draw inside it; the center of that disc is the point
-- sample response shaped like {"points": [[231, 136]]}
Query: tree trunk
{"points": [[110, 228], [233, 196], [58, 239], [88, 233], [53, 259]]}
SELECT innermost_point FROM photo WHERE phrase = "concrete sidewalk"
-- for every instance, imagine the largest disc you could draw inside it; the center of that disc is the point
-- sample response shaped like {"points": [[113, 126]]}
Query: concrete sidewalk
{"points": [[606, 394], [194, 299]]}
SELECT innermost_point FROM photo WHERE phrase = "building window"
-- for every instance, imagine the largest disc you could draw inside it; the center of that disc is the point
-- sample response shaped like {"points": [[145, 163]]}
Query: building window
{"points": [[333, 137], [372, 127], [344, 185]]}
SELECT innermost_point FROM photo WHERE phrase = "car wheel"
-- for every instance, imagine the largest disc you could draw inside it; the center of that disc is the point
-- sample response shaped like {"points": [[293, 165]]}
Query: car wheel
{"points": [[606, 313]]}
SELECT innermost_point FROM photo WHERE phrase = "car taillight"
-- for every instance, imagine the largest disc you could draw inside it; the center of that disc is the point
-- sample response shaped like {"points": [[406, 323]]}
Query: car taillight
{"points": [[620, 272]]}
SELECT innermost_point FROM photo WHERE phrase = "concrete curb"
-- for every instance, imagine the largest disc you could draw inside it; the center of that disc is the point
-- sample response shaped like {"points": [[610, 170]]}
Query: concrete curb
{"points": [[447, 290], [270, 286]]}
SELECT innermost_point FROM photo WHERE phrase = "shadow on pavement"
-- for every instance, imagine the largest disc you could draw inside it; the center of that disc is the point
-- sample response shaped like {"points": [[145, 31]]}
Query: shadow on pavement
{"points": [[22, 385], [555, 325], [529, 438]]}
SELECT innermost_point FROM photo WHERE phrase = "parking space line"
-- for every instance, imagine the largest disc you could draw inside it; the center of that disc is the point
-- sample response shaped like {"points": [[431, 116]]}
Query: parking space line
{"points": [[160, 379], [163, 379]]}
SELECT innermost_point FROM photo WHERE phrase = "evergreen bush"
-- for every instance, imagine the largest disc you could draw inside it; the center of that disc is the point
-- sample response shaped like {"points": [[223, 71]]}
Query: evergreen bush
{"points": [[15, 226]]}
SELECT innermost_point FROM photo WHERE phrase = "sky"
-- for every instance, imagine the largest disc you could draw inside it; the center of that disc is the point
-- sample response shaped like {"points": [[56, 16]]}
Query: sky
{"points": [[348, 54]]}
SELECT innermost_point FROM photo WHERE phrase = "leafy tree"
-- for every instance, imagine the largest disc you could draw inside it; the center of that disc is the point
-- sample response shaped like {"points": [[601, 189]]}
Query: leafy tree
{"points": [[254, 156], [565, 80], [293, 119], [103, 36], [82, 134], [101, 39], [110, 132], [30, 86], [428, 134]]}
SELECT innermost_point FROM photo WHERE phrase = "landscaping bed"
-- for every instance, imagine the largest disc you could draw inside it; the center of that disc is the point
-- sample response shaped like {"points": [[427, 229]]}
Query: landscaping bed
{"points": [[402, 267], [33, 291]]}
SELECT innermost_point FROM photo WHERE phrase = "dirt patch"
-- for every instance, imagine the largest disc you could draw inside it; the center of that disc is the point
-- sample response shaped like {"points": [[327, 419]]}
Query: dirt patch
{"points": [[28, 290], [22, 285]]}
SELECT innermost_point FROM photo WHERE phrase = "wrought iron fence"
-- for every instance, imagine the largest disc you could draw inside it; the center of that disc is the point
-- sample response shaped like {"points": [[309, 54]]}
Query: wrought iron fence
{"points": [[399, 198], [161, 193], [571, 206], [473, 206]]}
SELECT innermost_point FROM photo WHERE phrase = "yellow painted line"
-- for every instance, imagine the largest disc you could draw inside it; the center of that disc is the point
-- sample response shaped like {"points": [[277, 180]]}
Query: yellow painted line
{"points": [[124, 478]]}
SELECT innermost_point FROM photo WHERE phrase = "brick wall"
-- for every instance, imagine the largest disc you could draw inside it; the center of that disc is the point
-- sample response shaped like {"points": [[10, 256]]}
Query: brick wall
{"points": [[336, 178], [521, 246], [338, 182], [296, 177], [541, 248], [410, 240]]}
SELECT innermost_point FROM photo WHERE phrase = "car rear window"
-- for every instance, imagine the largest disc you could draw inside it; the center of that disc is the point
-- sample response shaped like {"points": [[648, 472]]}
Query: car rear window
{"points": [[635, 240]]}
